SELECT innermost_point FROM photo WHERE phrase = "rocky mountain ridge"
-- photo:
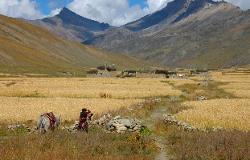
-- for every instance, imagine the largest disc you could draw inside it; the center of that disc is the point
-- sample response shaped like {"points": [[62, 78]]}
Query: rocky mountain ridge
{"points": [[186, 33], [72, 26], [211, 35]]}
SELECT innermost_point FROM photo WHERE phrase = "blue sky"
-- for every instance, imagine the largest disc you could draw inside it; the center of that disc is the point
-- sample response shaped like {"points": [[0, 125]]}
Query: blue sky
{"points": [[114, 12], [46, 6]]}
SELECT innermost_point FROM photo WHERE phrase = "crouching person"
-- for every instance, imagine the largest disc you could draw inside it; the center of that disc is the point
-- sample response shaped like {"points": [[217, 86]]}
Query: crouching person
{"points": [[85, 117], [48, 121]]}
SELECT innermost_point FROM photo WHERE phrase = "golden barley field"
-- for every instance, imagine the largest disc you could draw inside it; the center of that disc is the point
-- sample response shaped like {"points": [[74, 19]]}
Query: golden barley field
{"points": [[226, 113], [23, 99], [231, 113], [14, 109], [85, 87], [236, 83]]}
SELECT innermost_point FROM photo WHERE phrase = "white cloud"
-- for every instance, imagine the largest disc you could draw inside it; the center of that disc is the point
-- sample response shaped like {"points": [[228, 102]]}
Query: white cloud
{"points": [[154, 5], [20, 9], [244, 4], [114, 12], [118, 12], [55, 12]]}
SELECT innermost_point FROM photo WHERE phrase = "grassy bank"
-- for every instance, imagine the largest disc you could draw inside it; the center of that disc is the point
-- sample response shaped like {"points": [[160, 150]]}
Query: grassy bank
{"points": [[62, 145]]}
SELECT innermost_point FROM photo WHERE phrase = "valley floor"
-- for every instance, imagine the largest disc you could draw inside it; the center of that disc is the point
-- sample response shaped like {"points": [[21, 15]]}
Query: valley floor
{"points": [[215, 104]]}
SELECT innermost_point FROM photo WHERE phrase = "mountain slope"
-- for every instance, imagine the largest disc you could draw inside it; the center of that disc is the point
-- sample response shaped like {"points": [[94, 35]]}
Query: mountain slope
{"points": [[69, 25], [173, 12], [191, 33], [28, 48]]}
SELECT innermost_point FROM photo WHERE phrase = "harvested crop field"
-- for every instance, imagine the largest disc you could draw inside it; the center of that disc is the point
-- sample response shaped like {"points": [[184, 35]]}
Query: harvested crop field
{"points": [[228, 104], [85, 87], [23, 99], [15, 109], [225, 113], [237, 84]]}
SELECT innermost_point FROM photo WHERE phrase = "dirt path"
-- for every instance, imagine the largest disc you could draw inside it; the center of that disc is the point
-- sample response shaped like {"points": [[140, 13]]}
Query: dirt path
{"points": [[160, 141]]}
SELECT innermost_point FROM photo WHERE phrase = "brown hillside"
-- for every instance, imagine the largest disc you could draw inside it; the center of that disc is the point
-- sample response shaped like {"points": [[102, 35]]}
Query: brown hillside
{"points": [[28, 48]]}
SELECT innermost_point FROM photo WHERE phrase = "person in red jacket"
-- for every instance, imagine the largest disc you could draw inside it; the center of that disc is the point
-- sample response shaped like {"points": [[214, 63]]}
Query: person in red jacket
{"points": [[85, 116], [52, 119]]}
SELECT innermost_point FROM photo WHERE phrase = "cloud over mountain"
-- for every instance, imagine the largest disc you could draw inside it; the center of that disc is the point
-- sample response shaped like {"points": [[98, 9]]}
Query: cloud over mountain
{"points": [[154, 5], [119, 12], [20, 9], [114, 12], [244, 4]]}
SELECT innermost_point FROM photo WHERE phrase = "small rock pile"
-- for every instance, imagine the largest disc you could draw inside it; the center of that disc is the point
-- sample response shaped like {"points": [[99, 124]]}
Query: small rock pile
{"points": [[121, 125], [72, 128], [201, 98], [117, 124], [103, 120], [170, 119]]}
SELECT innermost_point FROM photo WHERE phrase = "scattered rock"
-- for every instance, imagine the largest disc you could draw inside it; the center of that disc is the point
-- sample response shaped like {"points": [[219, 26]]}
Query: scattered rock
{"points": [[72, 128], [121, 125], [117, 124], [217, 129], [103, 120], [170, 119], [201, 98]]}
